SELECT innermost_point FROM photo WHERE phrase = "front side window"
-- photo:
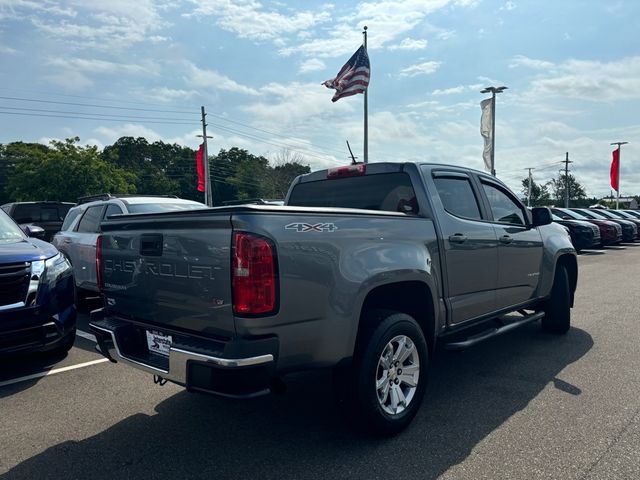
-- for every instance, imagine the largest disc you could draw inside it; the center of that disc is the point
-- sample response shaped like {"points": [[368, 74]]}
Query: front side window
{"points": [[90, 221], [503, 207], [457, 197], [68, 220]]}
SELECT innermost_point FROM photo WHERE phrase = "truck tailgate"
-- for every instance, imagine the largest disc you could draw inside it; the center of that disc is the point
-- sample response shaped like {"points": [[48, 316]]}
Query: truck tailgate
{"points": [[170, 270]]}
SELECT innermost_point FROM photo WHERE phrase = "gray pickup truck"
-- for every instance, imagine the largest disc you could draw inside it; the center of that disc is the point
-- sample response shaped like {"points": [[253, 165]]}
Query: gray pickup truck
{"points": [[365, 269]]}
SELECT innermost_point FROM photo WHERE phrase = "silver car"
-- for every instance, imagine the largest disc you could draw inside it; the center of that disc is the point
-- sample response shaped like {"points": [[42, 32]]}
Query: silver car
{"points": [[81, 227]]}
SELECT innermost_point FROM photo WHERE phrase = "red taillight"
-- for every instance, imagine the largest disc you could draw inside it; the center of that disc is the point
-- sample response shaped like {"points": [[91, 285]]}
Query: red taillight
{"points": [[254, 275], [99, 262], [349, 171]]}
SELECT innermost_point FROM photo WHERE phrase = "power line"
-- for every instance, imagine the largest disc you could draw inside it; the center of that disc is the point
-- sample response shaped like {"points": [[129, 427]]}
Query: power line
{"points": [[91, 118], [126, 117], [33, 100]]}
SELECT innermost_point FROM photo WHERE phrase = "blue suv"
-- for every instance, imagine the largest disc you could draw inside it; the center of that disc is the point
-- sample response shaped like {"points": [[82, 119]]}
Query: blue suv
{"points": [[37, 312]]}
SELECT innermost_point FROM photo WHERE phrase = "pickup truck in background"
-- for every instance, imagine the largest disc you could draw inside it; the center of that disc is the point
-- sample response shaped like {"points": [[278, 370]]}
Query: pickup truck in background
{"points": [[364, 269]]}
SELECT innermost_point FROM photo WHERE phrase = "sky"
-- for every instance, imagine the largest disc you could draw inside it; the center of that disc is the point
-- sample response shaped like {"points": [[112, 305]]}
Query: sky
{"points": [[102, 70]]}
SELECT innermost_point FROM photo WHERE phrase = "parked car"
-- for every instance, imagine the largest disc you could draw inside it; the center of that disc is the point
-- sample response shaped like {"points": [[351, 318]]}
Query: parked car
{"points": [[610, 232], [633, 213], [629, 229], [81, 227], [626, 216], [366, 268], [37, 312], [583, 234], [47, 215]]}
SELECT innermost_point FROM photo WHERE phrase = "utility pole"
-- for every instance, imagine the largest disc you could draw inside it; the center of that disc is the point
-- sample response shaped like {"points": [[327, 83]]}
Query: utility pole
{"points": [[566, 180], [619, 144], [208, 190], [530, 182], [493, 91]]}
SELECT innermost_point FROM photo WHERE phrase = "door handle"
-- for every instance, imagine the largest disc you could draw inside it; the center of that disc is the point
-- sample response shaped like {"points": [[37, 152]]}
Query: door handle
{"points": [[506, 239], [457, 238]]}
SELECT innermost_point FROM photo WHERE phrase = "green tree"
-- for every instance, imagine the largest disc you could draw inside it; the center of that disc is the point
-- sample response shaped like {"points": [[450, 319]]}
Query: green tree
{"points": [[159, 168], [237, 175], [539, 193], [13, 154], [65, 171], [558, 188]]}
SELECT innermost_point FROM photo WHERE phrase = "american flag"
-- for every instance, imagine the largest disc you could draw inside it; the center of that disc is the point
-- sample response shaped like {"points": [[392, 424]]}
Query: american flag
{"points": [[353, 76]]}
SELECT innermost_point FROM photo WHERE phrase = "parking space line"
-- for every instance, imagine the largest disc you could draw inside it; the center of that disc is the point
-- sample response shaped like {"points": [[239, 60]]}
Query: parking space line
{"points": [[52, 372], [86, 335]]}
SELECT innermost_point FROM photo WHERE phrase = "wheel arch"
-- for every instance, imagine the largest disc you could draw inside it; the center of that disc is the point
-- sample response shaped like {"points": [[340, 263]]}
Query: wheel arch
{"points": [[411, 297], [570, 263]]}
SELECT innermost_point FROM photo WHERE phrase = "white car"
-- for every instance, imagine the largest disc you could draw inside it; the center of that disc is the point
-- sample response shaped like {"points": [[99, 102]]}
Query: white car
{"points": [[81, 228]]}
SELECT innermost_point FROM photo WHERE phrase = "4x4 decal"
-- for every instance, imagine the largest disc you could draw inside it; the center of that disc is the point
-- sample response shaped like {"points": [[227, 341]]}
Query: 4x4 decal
{"points": [[311, 227]]}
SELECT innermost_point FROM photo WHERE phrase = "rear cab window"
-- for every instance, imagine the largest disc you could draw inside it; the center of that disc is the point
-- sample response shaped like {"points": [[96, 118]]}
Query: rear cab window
{"points": [[389, 192]]}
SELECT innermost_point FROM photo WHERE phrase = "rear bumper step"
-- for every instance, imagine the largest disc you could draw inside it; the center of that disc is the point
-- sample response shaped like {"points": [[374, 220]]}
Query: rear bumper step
{"points": [[493, 332]]}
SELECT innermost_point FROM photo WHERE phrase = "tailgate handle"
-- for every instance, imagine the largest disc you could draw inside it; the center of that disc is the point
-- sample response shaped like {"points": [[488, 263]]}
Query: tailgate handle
{"points": [[151, 245]]}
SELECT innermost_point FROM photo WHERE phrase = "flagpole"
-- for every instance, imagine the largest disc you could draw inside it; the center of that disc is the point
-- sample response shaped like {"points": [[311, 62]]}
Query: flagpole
{"points": [[366, 109]]}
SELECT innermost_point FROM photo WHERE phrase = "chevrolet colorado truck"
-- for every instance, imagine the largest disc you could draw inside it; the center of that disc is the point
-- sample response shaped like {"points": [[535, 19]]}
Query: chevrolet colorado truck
{"points": [[365, 269]]}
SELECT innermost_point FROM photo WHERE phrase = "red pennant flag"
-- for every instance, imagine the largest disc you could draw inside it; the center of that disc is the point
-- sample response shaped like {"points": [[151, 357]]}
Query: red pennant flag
{"points": [[615, 169], [200, 167]]}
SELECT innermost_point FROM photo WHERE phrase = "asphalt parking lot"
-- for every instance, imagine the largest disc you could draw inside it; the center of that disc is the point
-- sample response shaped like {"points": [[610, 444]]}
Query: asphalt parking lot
{"points": [[524, 405]]}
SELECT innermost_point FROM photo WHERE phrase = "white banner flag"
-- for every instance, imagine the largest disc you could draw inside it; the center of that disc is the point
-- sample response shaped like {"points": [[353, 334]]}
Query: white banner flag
{"points": [[486, 132]]}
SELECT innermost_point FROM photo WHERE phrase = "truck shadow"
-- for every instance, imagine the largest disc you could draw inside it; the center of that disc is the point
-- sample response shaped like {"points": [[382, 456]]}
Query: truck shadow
{"points": [[301, 434]]}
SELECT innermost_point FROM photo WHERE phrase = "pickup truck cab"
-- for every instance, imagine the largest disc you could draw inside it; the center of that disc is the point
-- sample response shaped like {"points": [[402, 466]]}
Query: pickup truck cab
{"points": [[364, 269]]}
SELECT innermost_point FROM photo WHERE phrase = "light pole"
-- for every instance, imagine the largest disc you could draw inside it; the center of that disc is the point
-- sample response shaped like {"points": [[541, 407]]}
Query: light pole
{"points": [[493, 91], [619, 144]]}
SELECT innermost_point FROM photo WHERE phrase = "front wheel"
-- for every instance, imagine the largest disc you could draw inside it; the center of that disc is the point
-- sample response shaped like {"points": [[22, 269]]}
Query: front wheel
{"points": [[391, 374], [557, 310]]}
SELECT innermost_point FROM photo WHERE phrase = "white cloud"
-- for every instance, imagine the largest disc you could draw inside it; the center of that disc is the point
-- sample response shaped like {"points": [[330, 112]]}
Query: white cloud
{"points": [[210, 79], [169, 95], [424, 68], [249, 19], [7, 50], [94, 65], [523, 61], [390, 20], [115, 24], [71, 81], [312, 65], [508, 6], [592, 80], [409, 44], [448, 91]]}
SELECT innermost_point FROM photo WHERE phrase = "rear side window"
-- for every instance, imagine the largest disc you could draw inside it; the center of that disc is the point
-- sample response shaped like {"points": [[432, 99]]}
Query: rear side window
{"points": [[40, 213], [68, 220], [26, 213], [457, 197], [389, 192], [90, 221], [112, 210]]}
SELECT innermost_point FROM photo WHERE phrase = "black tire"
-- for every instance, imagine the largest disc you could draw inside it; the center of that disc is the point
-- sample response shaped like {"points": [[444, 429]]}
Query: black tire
{"points": [[371, 411], [557, 310]]}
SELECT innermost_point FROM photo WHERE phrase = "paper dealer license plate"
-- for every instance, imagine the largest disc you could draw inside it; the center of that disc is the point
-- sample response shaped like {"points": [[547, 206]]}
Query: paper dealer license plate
{"points": [[158, 342]]}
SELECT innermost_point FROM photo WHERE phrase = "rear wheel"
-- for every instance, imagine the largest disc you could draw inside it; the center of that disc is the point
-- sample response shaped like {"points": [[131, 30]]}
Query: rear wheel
{"points": [[390, 374], [557, 310]]}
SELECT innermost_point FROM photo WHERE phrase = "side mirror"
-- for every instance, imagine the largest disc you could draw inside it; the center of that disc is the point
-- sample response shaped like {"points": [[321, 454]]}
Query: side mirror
{"points": [[33, 231], [541, 216]]}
